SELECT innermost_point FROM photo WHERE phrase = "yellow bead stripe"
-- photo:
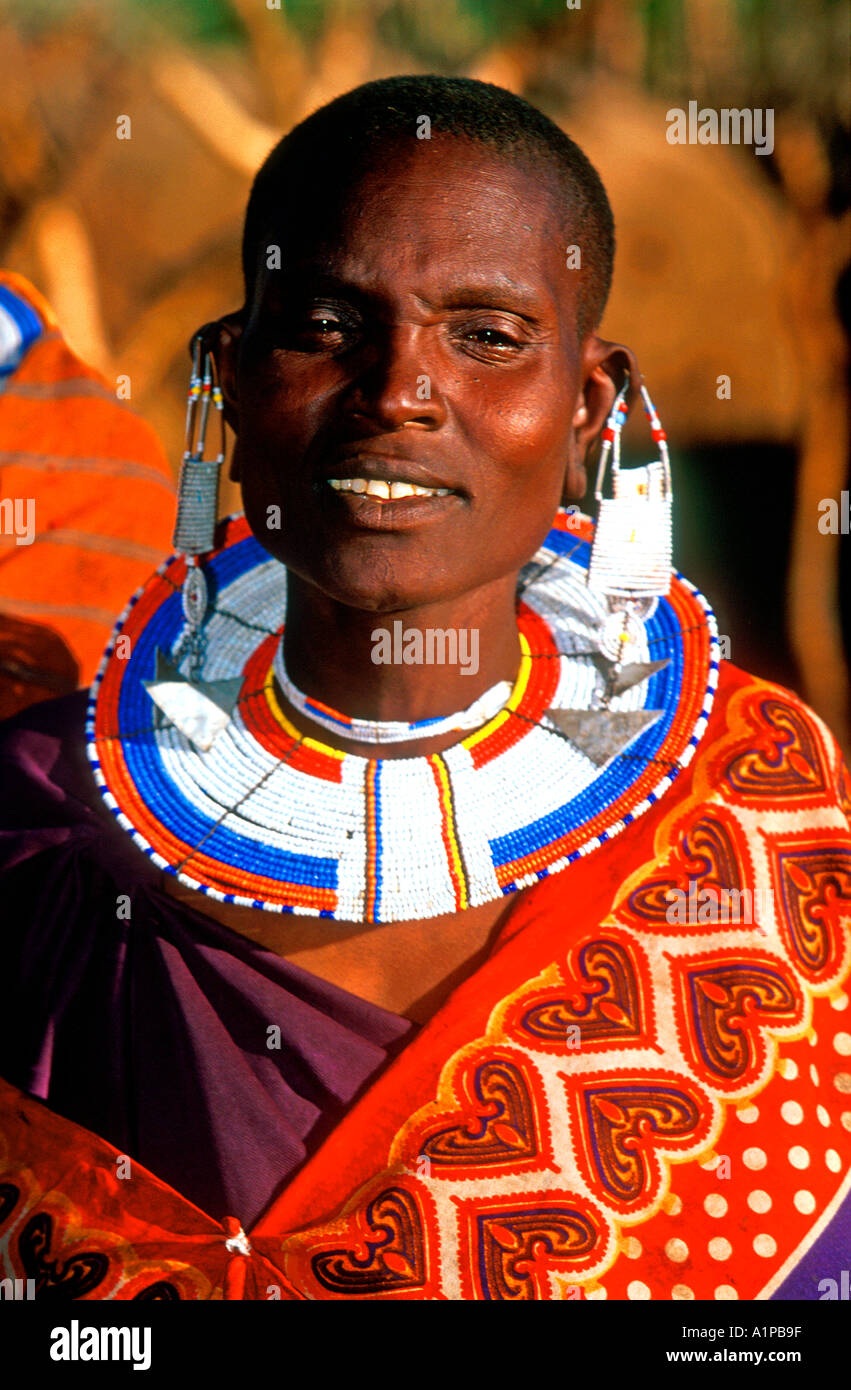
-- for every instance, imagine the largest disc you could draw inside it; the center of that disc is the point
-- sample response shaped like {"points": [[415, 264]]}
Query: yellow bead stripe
{"points": [[289, 728], [492, 725], [513, 700], [456, 862]]}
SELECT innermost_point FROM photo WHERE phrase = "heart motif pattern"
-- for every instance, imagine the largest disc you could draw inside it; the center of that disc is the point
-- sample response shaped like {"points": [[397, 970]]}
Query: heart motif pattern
{"points": [[815, 888], [786, 761], [709, 853], [604, 995], [625, 1122], [724, 1002], [387, 1254], [513, 1244], [498, 1125]]}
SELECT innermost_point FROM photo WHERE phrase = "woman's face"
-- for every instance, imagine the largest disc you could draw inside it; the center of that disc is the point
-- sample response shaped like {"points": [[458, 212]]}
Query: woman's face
{"points": [[421, 330]]}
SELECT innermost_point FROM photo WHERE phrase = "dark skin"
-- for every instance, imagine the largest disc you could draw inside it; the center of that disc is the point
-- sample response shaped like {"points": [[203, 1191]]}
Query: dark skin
{"points": [[449, 267]]}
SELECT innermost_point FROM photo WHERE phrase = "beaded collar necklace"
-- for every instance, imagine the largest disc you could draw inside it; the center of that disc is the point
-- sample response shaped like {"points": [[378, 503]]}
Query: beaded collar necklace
{"points": [[215, 785], [388, 730]]}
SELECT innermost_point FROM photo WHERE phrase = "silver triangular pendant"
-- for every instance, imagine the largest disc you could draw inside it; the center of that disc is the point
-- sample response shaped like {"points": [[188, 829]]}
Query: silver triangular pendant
{"points": [[603, 734], [636, 672], [200, 710]]}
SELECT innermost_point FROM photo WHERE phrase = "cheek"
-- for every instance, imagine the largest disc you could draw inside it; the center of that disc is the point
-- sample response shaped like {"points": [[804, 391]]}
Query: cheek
{"points": [[531, 452], [525, 416], [275, 418], [529, 446]]}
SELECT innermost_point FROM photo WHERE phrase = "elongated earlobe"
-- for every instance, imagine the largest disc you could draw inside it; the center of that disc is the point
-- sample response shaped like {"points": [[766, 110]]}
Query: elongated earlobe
{"points": [[225, 335]]}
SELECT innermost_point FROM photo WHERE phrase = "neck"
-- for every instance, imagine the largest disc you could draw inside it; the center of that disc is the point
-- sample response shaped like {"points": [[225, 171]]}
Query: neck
{"points": [[404, 665]]}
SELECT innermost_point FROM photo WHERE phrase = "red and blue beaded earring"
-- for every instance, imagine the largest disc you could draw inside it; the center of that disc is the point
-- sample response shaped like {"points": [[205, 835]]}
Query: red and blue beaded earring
{"points": [[630, 568], [631, 554]]}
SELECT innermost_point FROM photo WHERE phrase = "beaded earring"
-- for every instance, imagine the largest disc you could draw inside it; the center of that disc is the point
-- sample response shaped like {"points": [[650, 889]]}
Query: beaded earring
{"points": [[631, 568], [198, 497], [199, 709], [631, 554]]}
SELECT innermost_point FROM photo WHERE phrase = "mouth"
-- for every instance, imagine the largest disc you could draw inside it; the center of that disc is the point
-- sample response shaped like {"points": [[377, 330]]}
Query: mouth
{"points": [[380, 492], [388, 494], [386, 489], [387, 476]]}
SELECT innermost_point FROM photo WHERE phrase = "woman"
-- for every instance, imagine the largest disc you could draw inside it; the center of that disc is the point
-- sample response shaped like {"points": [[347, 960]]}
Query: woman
{"points": [[397, 978]]}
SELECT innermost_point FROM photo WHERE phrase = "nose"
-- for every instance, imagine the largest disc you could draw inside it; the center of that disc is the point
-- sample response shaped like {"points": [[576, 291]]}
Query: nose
{"points": [[396, 385]]}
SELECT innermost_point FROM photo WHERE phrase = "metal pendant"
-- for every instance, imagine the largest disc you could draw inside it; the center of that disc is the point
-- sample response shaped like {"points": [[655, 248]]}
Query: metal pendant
{"points": [[195, 596], [199, 709], [602, 735]]}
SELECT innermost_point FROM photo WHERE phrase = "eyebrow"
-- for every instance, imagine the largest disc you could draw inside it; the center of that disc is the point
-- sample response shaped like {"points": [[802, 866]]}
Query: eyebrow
{"points": [[487, 293], [515, 299]]}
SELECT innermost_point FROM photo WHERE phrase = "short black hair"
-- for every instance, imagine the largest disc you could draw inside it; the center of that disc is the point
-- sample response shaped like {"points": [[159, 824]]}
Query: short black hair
{"points": [[346, 133]]}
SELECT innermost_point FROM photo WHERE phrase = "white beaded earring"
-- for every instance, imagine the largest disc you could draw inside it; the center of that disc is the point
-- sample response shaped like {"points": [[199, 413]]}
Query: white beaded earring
{"points": [[631, 554]]}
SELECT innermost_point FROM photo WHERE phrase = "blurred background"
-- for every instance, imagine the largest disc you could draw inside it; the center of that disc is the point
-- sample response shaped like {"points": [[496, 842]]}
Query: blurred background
{"points": [[729, 264]]}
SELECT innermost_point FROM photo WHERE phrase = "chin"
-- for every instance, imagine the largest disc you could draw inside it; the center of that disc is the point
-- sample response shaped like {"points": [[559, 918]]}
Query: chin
{"points": [[375, 581], [355, 586], [385, 598]]}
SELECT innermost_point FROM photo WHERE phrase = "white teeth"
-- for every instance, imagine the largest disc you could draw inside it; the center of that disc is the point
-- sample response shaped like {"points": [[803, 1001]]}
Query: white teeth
{"points": [[377, 487]]}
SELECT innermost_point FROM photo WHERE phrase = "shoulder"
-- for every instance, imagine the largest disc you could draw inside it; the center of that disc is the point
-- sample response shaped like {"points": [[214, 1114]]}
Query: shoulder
{"points": [[766, 746], [43, 757], [50, 804]]}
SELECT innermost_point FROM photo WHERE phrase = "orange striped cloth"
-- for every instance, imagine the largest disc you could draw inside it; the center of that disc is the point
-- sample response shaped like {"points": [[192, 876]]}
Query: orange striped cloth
{"points": [[86, 510]]}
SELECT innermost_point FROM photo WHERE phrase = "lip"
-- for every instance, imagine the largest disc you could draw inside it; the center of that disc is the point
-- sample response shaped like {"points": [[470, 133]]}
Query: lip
{"points": [[399, 514], [391, 468]]}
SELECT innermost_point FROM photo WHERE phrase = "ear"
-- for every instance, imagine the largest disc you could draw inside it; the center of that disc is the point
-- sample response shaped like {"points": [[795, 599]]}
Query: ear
{"points": [[604, 368], [222, 337]]}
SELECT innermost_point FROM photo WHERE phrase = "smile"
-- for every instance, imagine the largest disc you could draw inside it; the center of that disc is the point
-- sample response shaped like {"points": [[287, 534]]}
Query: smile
{"points": [[385, 490]]}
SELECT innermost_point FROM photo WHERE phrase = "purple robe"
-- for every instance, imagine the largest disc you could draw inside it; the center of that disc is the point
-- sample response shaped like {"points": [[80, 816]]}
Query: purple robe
{"points": [[150, 1024]]}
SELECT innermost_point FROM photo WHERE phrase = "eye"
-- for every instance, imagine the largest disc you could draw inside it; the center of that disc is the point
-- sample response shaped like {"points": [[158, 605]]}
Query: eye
{"points": [[320, 329], [492, 337], [491, 342], [321, 325]]}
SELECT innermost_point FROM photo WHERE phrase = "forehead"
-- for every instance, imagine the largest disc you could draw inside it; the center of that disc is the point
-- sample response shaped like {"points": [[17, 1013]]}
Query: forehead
{"points": [[433, 211]]}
